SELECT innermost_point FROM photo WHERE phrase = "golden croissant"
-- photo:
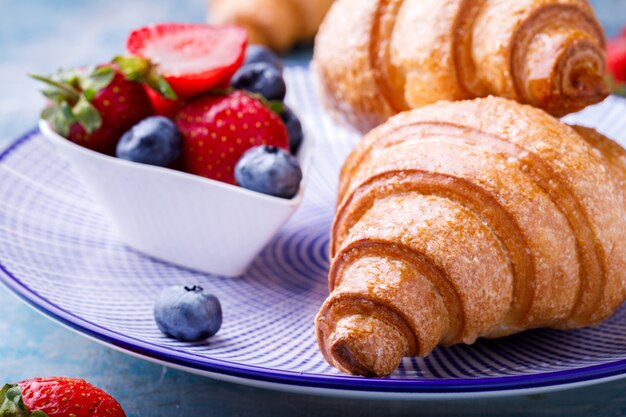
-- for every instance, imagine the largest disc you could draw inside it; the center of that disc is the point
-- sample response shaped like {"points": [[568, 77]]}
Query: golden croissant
{"points": [[376, 58], [278, 24], [468, 219]]}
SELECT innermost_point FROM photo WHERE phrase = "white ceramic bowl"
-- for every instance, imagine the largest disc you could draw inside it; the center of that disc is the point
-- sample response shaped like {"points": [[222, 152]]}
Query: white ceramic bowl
{"points": [[181, 218]]}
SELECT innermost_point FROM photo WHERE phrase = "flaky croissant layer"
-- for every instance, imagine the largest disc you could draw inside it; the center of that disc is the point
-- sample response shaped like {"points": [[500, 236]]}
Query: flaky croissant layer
{"points": [[375, 58], [468, 219]]}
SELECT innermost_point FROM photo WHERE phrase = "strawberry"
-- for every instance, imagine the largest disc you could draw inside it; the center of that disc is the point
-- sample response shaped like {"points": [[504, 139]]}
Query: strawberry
{"points": [[217, 130], [616, 61], [57, 397], [94, 107], [616, 57], [193, 58], [163, 106]]}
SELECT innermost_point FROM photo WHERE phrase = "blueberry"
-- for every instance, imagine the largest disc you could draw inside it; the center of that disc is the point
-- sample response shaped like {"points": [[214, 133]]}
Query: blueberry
{"points": [[294, 128], [188, 313], [269, 170], [260, 78], [155, 141], [260, 53]]}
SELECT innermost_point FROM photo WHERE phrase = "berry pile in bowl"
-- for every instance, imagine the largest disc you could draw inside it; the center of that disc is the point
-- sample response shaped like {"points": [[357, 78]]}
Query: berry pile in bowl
{"points": [[185, 142]]}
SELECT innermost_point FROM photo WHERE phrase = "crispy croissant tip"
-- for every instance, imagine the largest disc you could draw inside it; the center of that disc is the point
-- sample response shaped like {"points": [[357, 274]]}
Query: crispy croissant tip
{"points": [[366, 346], [590, 85], [563, 82]]}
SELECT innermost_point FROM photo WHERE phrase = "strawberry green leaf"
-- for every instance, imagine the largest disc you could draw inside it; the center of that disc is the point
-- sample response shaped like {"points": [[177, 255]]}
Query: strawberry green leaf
{"points": [[66, 112], [276, 106], [96, 80], [227, 91], [620, 90], [615, 86], [90, 94], [68, 90], [11, 402], [69, 76], [62, 118], [141, 70], [158, 84], [103, 70], [48, 112], [87, 115], [38, 413], [133, 68], [54, 94]]}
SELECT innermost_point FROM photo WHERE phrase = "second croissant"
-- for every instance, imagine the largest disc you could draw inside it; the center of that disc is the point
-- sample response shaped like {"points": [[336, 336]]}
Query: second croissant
{"points": [[377, 58], [477, 218]]}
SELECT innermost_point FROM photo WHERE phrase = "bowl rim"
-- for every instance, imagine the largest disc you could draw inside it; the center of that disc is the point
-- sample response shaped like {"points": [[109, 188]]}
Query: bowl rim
{"points": [[304, 155]]}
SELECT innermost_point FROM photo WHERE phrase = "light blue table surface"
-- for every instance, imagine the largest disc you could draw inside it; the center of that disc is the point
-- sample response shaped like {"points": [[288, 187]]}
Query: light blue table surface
{"points": [[37, 35]]}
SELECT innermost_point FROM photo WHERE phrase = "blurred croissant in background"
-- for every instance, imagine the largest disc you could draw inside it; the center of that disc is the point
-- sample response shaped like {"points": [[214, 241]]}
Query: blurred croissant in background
{"points": [[377, 58], [278, 24]]}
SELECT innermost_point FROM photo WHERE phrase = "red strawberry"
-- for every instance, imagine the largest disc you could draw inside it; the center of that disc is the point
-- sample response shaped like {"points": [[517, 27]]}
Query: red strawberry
{"points": [[219, 129], [162, 105], [57, 397], [94, 108], [193, 58], [616, 56]]}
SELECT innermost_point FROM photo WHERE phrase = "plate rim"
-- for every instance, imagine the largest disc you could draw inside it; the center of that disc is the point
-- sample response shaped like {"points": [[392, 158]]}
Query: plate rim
{"points": [[459, 387]]}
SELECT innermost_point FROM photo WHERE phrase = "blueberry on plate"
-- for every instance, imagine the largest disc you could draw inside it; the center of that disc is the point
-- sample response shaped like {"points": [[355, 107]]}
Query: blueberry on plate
{"points": [[261, 78], [154, 141], [260, 53], [187, 313], [269, 170], [294, 129]]}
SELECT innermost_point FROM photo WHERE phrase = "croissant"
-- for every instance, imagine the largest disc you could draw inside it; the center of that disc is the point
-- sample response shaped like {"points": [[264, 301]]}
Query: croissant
{"points": [[476, 218], [376, 58], [278, 24]]}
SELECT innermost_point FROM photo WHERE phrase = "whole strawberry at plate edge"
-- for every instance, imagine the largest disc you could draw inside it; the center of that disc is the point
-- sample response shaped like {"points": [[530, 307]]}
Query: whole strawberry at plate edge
{"points": [[218, 129], [93, 107], [57, 397]]}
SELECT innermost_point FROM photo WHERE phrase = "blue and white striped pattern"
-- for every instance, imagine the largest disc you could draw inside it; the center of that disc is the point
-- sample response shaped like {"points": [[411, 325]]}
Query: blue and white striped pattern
{"points": [[58, 253]]}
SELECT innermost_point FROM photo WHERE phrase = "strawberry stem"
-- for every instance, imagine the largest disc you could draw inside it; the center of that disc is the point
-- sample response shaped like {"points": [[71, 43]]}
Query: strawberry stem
{"points": [[142, 70]]}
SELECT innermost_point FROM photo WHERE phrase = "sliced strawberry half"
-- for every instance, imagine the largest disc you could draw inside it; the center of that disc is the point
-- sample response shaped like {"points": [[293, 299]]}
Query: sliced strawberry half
{"points": [[193, 58]]}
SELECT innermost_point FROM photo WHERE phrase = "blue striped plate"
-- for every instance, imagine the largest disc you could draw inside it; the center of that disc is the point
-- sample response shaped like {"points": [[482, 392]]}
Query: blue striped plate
{"points": [[58, 253]]}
